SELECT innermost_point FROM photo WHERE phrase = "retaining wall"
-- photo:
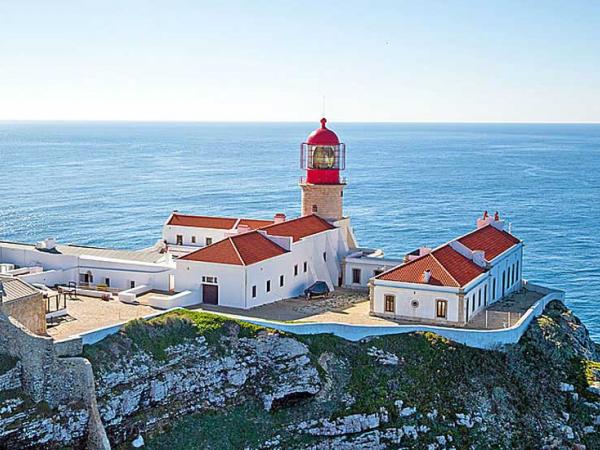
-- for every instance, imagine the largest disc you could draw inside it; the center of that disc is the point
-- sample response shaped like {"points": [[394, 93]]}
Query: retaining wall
{"points": [[485, 339]]}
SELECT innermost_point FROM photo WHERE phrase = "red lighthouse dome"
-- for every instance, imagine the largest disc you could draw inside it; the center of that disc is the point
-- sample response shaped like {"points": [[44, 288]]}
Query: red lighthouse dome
{"points": [[323, 136], [323, 156]]}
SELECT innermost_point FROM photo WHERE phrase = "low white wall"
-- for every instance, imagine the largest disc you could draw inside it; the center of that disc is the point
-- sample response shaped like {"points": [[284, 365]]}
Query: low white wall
{"points": [[50, 277], [484, 339], [130, 295], [180, 300]]}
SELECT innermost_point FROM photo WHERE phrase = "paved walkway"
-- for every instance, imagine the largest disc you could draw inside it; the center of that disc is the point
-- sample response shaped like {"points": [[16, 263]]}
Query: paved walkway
{"points": [[89, 313], [352, 307]]}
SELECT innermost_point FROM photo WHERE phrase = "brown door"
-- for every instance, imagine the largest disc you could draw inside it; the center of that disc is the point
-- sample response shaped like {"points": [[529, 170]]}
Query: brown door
{"points": [[210, 294]]}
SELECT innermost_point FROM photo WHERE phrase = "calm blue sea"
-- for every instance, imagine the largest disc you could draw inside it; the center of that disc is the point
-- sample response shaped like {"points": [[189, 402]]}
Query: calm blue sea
{"points": [[113, 184]]}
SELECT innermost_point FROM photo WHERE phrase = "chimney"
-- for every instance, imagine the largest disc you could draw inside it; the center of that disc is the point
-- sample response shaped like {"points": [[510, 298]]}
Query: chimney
{"points": [[479, 258], [279, 218], [241, 229], [426, 276]]}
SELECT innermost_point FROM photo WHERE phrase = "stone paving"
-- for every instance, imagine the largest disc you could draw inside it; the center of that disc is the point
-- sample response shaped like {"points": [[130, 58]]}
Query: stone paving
{"points": [[343, 305], [89, 313]]}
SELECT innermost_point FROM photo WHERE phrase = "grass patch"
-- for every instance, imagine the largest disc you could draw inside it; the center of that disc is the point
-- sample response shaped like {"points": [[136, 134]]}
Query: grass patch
{"points": [[157, 334]]}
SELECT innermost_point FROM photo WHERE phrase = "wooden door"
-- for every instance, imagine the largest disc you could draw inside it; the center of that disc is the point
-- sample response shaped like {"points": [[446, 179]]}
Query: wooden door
{"points": [[210, 294]]}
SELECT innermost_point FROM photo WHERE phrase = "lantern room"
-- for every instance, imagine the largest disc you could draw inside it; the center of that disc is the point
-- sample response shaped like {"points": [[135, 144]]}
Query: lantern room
{"points": [[323, 156]]}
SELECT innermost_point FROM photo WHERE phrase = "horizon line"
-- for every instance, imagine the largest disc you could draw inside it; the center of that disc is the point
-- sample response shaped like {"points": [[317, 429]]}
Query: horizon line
{"points": [[124, 121]]}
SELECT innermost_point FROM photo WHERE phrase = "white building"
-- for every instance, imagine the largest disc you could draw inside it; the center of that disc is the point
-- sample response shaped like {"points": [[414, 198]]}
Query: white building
{"points": [[455, 281], [52, 264], [254, 268], [184, 233]]}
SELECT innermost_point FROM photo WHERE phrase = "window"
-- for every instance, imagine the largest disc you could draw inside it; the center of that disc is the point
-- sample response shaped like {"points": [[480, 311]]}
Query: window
{"points": [[296, 270], [208, 241], [377, 272], [356, 276], [441, 309], [179, 239], [473, 303], [268, 285], [324, 256], [131, 284], [281, 279], [314, 208], [193, 239], [389, 301], [86, 278], [467, 310], [212, 280], [254, 291], [305, 267], [485, 295], [503, 282], [479, 300], [107, 282], [494, 289], [518, 276]]}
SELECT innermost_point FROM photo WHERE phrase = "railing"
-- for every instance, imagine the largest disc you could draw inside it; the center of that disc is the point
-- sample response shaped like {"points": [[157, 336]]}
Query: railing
{"points": [[56, 303], [343, 180]]}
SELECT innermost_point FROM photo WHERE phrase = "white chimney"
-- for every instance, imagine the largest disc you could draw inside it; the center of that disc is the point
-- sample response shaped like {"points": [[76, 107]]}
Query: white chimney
{"points": [[279, 218], [479, 258], [426, 276], [241, 229]]}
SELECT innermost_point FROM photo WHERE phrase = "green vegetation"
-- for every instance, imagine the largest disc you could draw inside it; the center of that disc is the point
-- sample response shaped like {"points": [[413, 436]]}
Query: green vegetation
{"points": [[515, 392], [7, 363], [157, 334]]}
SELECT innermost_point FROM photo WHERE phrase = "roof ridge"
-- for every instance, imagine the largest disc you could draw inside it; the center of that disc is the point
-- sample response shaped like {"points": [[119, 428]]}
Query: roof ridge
{"points": [[237, 252], [444, 267]]}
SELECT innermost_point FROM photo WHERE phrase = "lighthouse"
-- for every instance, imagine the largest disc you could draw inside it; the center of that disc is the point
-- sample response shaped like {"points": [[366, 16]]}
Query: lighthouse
{"points": [[323, 156]]}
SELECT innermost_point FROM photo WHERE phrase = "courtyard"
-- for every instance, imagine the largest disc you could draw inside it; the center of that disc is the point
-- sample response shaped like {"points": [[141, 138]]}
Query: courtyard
{"points": [[88, 313]]}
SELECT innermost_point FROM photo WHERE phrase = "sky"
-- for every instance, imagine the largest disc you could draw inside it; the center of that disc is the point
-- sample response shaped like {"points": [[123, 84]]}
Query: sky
{"points": [[363, 61]]}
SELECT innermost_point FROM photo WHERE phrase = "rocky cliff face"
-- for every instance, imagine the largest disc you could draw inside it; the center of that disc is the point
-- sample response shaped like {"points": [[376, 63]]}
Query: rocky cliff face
{"points": [[196, 381]]}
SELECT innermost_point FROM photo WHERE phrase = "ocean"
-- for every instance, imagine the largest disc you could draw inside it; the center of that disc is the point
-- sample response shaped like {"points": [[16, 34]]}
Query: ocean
{"points": [[114, 184]]}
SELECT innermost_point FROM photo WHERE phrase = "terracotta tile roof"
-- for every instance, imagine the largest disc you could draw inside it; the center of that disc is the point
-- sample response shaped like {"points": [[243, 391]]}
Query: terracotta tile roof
{"points": [[220, 223], [184, 220], [447, 266], [300, 227], [462, 269], [241, 250], [254, 224], [489, 239]]}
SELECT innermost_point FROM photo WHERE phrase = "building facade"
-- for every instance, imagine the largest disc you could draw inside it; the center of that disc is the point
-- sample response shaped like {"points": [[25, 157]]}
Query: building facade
{"points": [[454, 282]]}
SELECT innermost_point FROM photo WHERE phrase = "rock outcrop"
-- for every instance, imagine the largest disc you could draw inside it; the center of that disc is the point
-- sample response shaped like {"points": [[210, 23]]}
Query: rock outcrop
{"points": [[193, 380]]}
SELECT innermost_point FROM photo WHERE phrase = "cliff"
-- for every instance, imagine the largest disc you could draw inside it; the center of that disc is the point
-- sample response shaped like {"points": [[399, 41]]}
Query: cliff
{"points": [[197, 381]]}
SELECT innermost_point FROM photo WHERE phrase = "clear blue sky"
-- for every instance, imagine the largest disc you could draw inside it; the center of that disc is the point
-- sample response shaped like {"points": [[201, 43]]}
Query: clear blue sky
{"points": [[451, 61]]}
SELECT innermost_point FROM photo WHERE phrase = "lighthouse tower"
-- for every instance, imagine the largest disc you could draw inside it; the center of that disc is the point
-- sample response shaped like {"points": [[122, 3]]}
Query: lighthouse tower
{"points": [[323, 156]]}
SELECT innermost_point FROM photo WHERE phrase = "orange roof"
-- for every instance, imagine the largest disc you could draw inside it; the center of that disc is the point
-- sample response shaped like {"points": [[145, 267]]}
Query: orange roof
{"points": [[220, 223], [447, 266], [254, 224], [241, 250], [300, 227], [462, 269], [489, 239]]}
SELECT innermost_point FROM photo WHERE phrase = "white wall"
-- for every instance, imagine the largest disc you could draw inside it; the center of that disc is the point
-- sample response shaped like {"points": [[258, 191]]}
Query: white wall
{"points": [[236, 282], [426, 297], [500, 265], [170, 233], [367, 267], [231, 280], [68, 267]]}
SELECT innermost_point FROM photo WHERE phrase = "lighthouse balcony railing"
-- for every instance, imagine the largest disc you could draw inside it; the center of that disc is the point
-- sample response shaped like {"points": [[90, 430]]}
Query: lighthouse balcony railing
{"points": [[343, 180]]}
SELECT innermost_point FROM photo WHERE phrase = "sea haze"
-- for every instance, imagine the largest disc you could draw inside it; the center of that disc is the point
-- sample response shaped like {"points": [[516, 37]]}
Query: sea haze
{"points": [[114, 184]]}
